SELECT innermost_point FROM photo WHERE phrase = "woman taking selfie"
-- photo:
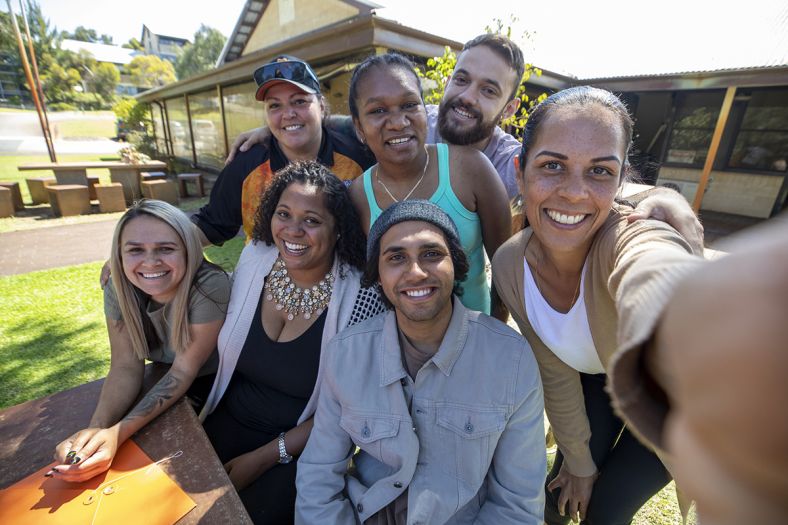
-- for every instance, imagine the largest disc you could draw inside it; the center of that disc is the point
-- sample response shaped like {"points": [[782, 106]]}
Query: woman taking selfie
{"points": [[581, 282]]}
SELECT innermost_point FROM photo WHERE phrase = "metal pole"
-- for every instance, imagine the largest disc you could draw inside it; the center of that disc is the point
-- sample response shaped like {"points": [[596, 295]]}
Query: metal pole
{"points": [[37, 78], [713, 147], [29, 76]]}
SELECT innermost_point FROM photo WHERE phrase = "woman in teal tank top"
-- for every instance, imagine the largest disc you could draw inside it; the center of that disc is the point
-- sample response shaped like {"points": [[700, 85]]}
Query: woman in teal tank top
{"points": [[390, 118], [476, 290]]}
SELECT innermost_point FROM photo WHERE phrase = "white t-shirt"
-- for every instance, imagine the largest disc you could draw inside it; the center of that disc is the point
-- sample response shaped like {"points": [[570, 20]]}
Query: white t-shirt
{"points": [[567, 335]]}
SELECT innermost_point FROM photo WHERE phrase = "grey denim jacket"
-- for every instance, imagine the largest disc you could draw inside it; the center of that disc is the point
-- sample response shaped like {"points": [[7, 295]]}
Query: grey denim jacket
{"points": [[469, 450]]}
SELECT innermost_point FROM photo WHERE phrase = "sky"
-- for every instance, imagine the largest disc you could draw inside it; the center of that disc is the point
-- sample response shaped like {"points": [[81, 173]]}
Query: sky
{"points": [[585, 38]]}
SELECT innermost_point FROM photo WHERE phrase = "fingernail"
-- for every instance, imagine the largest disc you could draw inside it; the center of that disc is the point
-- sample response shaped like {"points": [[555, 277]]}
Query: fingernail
{"points": [[49, 474]]}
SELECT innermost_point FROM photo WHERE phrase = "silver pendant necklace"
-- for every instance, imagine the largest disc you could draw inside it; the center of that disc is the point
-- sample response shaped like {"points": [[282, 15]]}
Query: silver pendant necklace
{"points": [[423, 173]]}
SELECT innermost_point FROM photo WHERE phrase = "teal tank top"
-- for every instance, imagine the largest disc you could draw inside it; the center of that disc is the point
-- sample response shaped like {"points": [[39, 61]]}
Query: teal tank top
{"points": [[476, 291]]}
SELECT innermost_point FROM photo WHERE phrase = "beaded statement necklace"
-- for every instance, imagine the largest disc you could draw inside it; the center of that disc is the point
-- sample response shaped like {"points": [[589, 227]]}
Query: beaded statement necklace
{"points": [[280, 288]]}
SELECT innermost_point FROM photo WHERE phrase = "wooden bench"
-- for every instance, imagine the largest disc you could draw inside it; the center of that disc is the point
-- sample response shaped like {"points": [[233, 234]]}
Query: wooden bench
{"points": [[6, 203], [163, 190], [16, 194], [68, 199], [110, 197], [125, 174], [152, 175], [37, 186], [184, 178]]}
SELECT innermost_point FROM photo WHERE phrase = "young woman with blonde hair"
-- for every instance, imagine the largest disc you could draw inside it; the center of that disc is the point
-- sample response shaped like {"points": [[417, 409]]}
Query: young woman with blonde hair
{"points": [[165, 303]]}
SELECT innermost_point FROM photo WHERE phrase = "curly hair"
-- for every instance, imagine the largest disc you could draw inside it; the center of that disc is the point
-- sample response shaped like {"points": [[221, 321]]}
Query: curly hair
{"points": [[352, 241], [371, 276]]}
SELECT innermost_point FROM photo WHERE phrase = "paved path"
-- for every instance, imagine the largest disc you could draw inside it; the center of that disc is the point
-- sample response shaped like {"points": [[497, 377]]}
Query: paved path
{"points": [[56, 246]]}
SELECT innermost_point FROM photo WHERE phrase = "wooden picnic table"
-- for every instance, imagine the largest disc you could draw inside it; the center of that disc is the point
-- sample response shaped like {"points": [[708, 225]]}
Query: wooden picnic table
{"points": [[76, 173], [29, 433]]}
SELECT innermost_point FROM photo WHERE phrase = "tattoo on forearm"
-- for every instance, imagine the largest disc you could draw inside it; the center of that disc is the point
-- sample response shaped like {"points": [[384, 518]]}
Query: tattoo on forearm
{"points": [[162, 392]]}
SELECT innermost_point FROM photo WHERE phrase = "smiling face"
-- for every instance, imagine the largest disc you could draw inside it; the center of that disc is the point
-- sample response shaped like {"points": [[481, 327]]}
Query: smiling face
{"points": [[153, 257], [294, 118], [304, 231], [571, 176], [392, 120], [416, 271], [477, 96]]}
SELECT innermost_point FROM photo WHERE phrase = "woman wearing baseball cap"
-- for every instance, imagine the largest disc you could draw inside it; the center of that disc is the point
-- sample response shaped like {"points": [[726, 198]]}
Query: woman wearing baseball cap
{"points": [[295, 110]]}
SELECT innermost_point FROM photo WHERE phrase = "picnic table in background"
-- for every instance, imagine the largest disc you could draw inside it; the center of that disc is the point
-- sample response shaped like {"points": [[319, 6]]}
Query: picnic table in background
{"points": [[29, 433], [76, 173]]}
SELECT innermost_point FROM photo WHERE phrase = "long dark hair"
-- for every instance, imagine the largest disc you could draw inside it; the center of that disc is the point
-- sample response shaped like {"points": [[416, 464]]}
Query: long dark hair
{"points": [[352, 241]]}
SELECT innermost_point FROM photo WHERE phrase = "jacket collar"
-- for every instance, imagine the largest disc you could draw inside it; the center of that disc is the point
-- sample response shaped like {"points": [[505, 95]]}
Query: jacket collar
{"points": [[391, 367]]}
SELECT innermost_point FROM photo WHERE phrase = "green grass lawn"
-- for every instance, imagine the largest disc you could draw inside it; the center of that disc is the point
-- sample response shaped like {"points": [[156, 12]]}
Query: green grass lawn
{"points": [[9, 171], [53, 335], [84, 129]]}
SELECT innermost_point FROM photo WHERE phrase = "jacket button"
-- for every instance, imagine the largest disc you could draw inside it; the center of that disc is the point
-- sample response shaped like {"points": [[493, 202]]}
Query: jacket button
{"points": [[403, 382], [468, 428], [360, 508], [397, 484]]}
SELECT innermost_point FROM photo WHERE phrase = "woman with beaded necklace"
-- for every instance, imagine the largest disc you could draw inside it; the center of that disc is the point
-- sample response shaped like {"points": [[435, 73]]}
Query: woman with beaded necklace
{"points": [[295, 286], [390, 118]]}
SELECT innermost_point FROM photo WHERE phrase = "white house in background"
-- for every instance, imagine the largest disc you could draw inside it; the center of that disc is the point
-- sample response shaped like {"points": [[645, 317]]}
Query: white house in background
{"points": [[119, 56]]}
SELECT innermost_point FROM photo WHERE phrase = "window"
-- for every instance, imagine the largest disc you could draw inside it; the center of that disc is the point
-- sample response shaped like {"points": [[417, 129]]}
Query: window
{"points": [[762, 140], [241, 109], [179, 128], [693, 126], [208, 128]]}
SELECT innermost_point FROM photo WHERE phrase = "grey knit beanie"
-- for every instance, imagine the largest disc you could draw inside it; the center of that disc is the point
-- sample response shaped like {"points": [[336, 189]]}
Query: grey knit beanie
{"points": [[412, 210]]}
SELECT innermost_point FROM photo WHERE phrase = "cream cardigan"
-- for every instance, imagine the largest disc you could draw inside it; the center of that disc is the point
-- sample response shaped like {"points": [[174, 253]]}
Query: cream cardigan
{"points": [[631, 271], [253, 266]]}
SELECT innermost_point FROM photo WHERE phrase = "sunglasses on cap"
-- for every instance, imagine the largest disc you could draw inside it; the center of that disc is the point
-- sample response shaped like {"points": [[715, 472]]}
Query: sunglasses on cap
{"points": [[286, 70]]}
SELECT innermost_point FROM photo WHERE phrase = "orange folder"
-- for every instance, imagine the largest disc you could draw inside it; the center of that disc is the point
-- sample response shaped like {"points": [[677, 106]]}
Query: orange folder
{"points": [[133, 490]]}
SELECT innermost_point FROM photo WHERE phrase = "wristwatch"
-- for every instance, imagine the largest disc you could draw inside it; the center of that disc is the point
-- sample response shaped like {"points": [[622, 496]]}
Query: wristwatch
{"points": [[284, 457]]}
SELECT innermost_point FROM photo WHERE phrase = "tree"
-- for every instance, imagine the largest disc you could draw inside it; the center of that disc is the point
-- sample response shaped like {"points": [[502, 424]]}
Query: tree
{"points": [[202, 54], [150, 71], [83, 34], [133, 43], [105, 79]]}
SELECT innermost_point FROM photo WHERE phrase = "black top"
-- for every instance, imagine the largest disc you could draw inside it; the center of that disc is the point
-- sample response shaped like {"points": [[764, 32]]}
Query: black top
{"points": [[230, 206], [273, 381]]}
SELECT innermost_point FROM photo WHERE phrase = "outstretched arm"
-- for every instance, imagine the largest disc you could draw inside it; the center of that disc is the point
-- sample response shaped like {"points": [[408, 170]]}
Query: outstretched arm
{"points": [[666, 205]]}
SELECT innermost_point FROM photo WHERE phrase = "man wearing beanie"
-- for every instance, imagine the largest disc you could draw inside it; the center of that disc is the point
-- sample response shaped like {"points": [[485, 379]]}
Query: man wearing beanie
{"points": [[442, 404]]}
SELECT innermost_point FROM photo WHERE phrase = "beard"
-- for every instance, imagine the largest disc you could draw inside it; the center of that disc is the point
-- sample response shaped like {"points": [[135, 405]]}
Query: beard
{"points": [[479, 131]]}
